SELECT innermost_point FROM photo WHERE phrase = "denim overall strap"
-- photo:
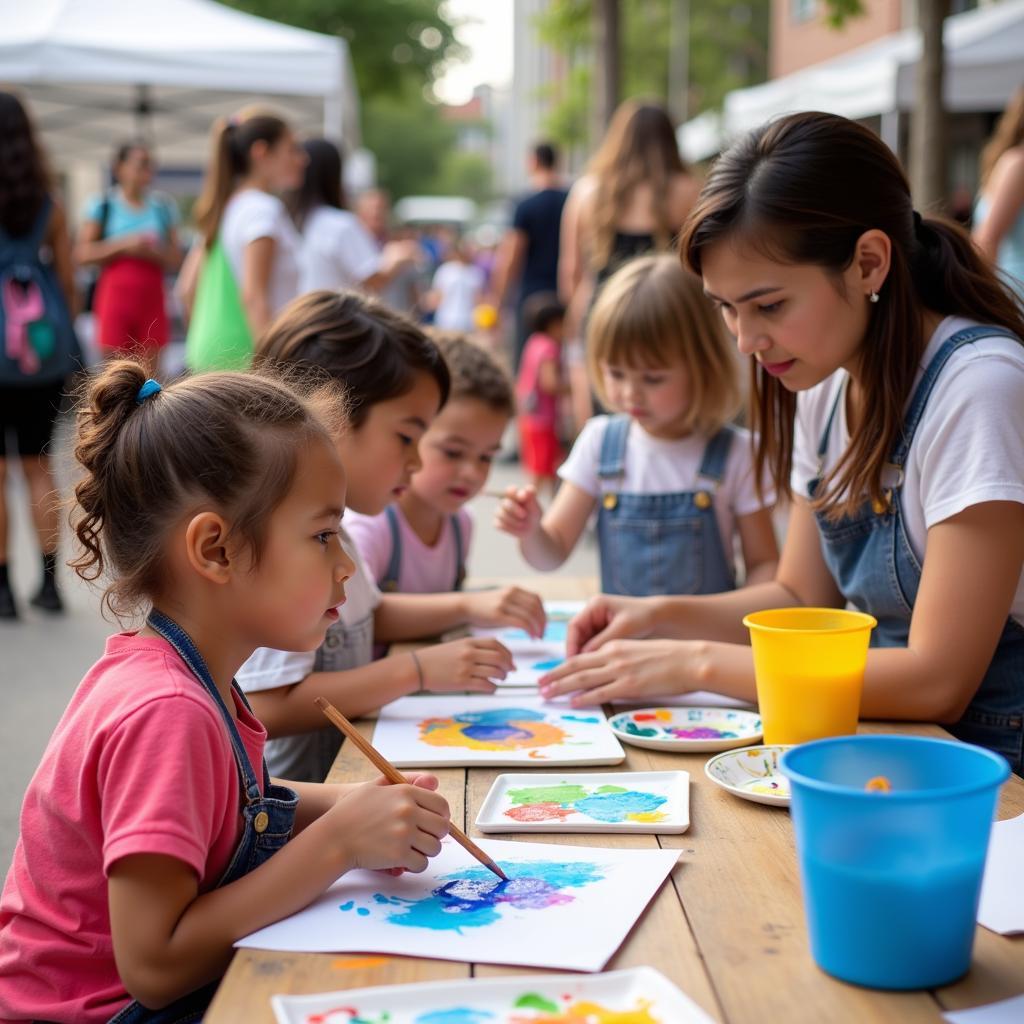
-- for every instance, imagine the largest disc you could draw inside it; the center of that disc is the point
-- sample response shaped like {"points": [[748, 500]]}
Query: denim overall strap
{"points": [[877, 570], [716, 455], [389, 582], [267, 822], [654, 544], [460, 554]]}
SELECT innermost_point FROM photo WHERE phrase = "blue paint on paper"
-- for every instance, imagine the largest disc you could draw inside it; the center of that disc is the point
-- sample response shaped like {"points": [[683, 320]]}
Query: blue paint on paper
{"points": [[547, 666], [456, 1015], [616, 807], [589, 719]]}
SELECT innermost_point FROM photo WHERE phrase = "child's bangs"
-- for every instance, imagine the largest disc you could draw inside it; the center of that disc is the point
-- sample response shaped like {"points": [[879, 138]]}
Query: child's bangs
{"points": [[636, 339]]}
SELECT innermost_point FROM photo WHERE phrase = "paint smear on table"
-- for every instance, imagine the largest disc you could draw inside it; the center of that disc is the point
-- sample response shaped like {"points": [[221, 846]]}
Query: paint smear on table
{"points": [[529, 1008], [608, 804], [500, 729], [474, 898]]}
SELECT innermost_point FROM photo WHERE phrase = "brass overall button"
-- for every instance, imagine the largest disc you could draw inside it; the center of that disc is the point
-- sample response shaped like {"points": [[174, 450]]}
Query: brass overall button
{"points": [[610, 501], [261, 821], [702, 499]]}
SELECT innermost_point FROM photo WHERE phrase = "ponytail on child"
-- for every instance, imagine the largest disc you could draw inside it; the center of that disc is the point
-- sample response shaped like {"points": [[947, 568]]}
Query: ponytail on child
{"points": [[802, 189], [229, 440], [232, 140]]}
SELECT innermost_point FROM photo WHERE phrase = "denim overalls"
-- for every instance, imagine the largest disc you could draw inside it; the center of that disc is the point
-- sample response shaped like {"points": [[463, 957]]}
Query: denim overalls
{"points": [[267, 824], [662, 543], [389, 584], [870, 558]]}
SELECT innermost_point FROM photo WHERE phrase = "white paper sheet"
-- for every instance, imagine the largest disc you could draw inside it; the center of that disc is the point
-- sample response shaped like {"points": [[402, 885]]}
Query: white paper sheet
{"points": [[534, 657], [564, 907], [494, 730], [1001, 907], [1007, 1011]]}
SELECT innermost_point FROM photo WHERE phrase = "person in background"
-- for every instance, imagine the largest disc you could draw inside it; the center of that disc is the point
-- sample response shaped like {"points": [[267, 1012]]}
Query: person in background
{"points": [[38, 348], [539, 389], [130, 232], [337, 249], [404, 291], [527, 259], [245, 268], [999, 214], [457, 289]]}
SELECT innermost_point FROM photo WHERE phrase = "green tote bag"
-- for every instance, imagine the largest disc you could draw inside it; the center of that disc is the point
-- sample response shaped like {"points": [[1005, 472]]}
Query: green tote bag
{"points": [[218, 333]]}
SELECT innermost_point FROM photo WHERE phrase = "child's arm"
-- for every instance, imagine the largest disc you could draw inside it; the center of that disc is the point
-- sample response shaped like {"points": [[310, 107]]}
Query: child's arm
{"points": [[415, 616], [545, 542], [169, 940], [317, 798], [549, 378], [760, 549], [457, 667]]}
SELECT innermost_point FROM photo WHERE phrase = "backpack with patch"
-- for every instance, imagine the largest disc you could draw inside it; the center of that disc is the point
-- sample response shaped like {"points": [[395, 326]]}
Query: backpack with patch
{"points": [[37, 339]]}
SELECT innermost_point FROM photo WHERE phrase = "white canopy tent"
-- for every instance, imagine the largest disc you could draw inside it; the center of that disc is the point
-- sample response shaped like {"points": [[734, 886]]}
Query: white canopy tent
{"points": [[984, 65], [98, 71]]}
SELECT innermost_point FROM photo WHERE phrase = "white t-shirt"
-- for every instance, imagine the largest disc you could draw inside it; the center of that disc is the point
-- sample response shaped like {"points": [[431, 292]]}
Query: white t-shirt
{"points": [[969, 443], [460, 285], [267, 668], [654, 465], [337, 251], [252, 214]]}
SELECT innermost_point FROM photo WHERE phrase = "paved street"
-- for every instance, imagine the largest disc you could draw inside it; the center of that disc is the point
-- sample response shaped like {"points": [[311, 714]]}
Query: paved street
{"points": [[42, 659]]}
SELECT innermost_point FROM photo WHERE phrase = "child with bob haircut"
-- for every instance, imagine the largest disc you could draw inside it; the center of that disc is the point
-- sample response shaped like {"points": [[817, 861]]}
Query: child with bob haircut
{"points": [[152, 835], [420, 543], [671, 478], [396, 382]]}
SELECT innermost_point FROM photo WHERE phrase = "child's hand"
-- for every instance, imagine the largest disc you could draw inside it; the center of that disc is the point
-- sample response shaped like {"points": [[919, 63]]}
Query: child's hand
{"points": [[385, 826], [464, 665], [519, 512], [509, 606]]}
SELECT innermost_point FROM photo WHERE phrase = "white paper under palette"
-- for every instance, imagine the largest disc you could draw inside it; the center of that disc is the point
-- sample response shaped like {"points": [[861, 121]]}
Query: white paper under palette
{"points": [[641, 995], [645, 802], [563, 907], [534, 656], [497, 731]]}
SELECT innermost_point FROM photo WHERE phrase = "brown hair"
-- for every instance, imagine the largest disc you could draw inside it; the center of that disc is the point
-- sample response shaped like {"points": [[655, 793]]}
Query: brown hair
{"points": [[227, 439], [639, 147], [24, 176], [474, 372], [373, 351], [232, 140], [652, 312], [1009, 132], [802, 190]]}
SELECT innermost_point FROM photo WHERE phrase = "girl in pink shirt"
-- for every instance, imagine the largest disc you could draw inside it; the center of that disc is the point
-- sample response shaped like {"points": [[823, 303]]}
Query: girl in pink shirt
{"points": [[152, 837]]}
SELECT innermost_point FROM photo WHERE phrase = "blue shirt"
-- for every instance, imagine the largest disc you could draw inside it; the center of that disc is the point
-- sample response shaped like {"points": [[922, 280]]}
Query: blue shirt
{"points": [[157, 215]]}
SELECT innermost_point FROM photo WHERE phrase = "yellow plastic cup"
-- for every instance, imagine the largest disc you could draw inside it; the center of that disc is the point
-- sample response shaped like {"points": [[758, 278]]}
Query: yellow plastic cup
{"points": [[809, 668]]}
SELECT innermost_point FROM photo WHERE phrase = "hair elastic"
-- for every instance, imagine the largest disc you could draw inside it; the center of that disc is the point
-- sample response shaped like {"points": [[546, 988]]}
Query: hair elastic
{"points": [[150, 388]]}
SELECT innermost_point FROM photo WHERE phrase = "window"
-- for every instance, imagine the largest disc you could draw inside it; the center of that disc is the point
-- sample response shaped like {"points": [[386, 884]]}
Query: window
{"points": [[802, 10]]}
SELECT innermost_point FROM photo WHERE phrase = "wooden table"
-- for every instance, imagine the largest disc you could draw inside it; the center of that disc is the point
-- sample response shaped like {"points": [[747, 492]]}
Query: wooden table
{"points": [[727, 927]]}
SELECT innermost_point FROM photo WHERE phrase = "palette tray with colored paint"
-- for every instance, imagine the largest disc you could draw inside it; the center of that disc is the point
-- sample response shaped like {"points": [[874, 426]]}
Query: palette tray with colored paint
{"points": [[688, 730], [495, 731], [751, 774], [641, 802], [638, 996]]}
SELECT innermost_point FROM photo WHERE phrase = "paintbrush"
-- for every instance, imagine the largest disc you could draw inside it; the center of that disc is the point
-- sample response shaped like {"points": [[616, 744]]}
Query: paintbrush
{"points": [[392, 774]]}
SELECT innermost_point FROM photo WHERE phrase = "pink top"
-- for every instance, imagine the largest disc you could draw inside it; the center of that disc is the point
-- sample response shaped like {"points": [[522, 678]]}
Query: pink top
{"points": [[140, 762], [539, 408], [423, 569]]}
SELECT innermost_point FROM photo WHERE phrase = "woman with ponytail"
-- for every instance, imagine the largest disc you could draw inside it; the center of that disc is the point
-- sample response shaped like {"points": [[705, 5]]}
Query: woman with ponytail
{"points": [[245, 268], [887, 378]]}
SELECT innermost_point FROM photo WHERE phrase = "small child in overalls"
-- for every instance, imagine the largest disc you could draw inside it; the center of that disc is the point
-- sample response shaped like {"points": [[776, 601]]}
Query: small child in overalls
{"points": [[671, 478], [149, 828], [396, 382]]}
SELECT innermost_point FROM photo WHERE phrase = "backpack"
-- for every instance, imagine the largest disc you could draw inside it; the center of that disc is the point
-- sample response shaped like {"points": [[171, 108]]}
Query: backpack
{"points": [[218, 332], [38, 345]]}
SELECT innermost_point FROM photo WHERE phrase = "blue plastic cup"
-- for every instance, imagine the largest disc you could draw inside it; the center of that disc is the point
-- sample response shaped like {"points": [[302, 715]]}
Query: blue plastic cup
{"points": [[891, 880]]}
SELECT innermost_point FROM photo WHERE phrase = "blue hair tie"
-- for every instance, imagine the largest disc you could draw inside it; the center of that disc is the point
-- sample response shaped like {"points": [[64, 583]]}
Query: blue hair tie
{"points": [[150, 388]]}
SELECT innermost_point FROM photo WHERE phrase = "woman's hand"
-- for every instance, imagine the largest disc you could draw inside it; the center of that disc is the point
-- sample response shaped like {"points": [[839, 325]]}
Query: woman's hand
{"points": [[510, 606], [466, 665], [624, 670], [610, 617]]}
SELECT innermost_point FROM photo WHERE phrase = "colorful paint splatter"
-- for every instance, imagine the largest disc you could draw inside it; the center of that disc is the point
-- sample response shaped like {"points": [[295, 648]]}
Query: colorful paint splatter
{"points": [[652, 723], [500, 729], [472, 898], [609, 804]]}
